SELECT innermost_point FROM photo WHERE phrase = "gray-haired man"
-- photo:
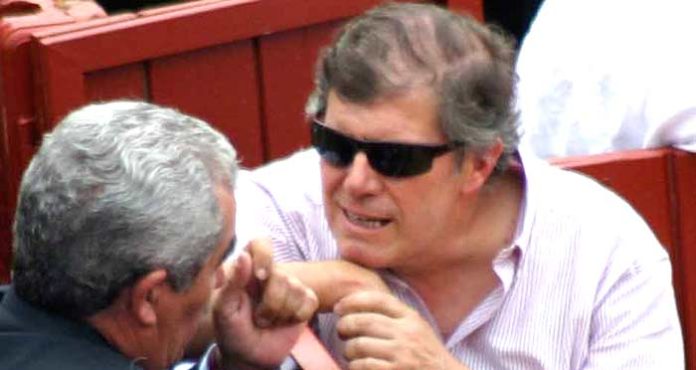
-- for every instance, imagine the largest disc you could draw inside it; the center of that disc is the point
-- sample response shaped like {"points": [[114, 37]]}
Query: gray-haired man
{"points": [[125, 216]]}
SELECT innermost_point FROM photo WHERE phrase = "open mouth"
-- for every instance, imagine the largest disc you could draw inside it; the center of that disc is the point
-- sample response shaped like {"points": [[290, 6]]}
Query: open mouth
{"points": [[366, 222]]}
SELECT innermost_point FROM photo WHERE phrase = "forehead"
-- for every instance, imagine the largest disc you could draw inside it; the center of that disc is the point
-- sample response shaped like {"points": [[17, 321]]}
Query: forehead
{"points": [[409, 117]]}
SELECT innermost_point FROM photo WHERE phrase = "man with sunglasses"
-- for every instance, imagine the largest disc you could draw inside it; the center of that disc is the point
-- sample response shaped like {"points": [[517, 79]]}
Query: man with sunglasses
{"points": [[492, 259]]}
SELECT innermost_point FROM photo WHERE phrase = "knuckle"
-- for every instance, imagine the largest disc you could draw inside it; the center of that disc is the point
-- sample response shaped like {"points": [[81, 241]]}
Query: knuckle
{"points": [[347, 326], [354, 348], [307, 311], [294, 282]]}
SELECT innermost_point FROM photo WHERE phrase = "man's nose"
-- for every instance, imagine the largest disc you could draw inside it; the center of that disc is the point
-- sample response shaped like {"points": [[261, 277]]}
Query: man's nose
{"points": [[361, 179]]}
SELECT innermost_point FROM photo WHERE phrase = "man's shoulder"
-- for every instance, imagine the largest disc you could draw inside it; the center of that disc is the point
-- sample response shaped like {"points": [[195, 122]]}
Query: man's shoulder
{"points": [[575, 193], [598, 222], [293, 181], [36, 339], [32, 350]]}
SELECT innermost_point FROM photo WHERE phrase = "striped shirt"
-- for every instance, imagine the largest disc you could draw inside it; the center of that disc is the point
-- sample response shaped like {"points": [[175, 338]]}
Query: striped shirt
{"points": [[585, 285]]}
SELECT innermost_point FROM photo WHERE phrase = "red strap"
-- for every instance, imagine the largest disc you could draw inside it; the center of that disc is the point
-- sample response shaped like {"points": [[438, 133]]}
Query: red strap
{"points": [[310, 353]]}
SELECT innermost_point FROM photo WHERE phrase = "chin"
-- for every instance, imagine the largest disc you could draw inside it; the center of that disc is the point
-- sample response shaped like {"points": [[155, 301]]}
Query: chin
{"points": [[362, 255]]}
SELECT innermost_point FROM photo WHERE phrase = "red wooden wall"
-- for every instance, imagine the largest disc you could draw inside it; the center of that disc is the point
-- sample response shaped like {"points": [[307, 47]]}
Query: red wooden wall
{"points": [[684, 171]]}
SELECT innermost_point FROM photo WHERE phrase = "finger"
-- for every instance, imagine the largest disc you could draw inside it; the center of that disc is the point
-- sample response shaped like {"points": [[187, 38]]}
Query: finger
{"points": [[371, 301], [295, 294], [367, 324], [300, 303], [309, 307], [286, 300], [261, 251], [369, 364], [271, 308], [366, 347]]}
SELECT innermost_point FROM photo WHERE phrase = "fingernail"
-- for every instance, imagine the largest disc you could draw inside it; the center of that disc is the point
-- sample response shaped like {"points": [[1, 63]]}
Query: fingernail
{"points": [[261, 274]]}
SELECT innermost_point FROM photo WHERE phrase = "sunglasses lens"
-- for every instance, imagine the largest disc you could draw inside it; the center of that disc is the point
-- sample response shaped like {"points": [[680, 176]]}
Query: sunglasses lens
{"points": [[389, 159], [334, 148], [395, 160]]}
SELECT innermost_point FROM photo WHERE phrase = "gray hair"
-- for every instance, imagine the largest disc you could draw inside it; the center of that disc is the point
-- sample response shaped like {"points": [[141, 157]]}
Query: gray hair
{"points": [[398, 47], [115, 191]]}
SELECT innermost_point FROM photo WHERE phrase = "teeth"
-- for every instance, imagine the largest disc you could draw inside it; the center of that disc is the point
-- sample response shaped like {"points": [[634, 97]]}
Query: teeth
{"points": [[365, 222]]}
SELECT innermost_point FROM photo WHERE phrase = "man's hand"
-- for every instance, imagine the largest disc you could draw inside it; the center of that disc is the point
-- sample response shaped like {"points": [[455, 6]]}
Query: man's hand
{"points": [[382, 332], [258, 314], [283, 298]]}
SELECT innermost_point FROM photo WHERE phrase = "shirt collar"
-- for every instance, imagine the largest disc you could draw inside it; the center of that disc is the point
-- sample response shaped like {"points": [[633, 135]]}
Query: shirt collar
{"points": [[528, 165]]}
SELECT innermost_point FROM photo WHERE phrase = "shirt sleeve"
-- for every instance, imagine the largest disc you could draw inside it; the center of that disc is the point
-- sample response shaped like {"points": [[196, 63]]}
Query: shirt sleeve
{"points": [[283, 201], [260, 215]]}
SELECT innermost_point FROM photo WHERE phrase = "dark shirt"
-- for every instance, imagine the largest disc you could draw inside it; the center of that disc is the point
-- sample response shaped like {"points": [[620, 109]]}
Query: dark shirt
{"points": [[34, 339]]}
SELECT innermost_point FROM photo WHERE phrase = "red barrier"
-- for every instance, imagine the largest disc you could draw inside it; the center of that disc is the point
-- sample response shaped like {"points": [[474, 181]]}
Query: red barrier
{"points": [[685, 214], [19, 132]]}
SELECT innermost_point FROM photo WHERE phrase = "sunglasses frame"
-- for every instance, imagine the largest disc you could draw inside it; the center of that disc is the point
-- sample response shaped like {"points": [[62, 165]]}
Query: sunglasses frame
{"points": [[390, 159]]}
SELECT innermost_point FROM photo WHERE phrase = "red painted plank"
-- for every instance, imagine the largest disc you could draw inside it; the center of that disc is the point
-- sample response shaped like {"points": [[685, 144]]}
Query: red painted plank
{"points": [[219, 85], [284, 93], [188, 28], [62, 81], [123, 82], [685, 186], [473, 7]]}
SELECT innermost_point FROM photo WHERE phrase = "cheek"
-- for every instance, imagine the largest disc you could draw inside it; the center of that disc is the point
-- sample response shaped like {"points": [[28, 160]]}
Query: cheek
{"points": [[330, 177], [421, 206], [199, 299], [331, 183]]}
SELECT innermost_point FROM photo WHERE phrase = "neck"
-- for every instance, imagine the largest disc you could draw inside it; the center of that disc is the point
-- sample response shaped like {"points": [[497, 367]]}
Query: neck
{"points": [[492, 224], [487, 225], [466, 265], [120, 329]]}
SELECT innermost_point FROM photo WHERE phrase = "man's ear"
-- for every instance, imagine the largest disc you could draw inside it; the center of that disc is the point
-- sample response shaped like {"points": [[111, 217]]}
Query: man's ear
{"points": [[145, 295], [479, 165]]}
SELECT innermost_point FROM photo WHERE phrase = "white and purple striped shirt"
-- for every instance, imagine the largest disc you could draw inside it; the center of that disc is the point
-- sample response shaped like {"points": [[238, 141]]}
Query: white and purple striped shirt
{"points": [[585, 285]]}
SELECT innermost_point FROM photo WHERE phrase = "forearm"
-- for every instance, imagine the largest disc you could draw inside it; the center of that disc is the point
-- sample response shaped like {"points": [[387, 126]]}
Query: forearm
{"points": [[333, 280]]}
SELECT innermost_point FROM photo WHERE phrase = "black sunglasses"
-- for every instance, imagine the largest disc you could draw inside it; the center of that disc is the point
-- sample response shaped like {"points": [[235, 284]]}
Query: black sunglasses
{"points": [[389, 159]]}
